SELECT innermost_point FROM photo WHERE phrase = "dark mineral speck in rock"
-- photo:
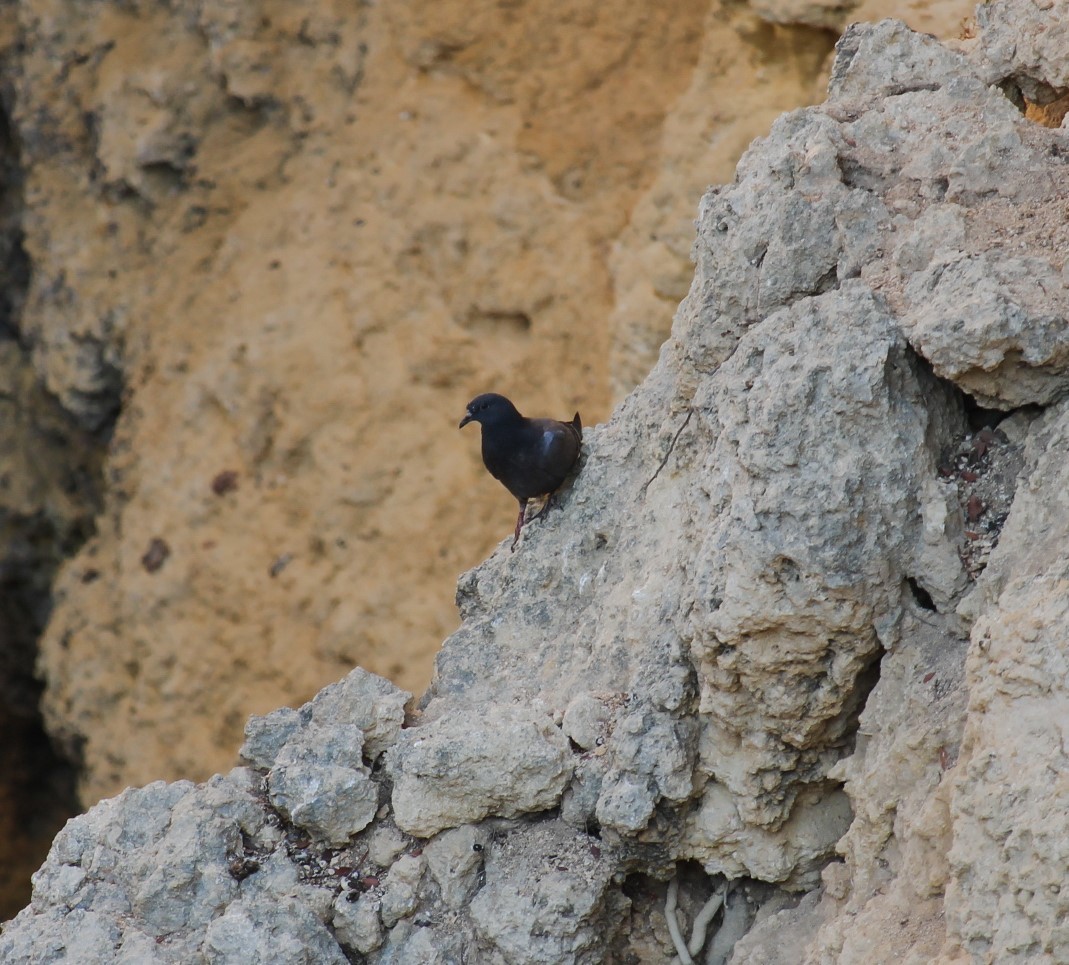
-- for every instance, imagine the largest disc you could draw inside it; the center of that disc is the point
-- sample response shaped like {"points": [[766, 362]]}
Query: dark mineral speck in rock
{"points": [[225, 482], [156, 554]]}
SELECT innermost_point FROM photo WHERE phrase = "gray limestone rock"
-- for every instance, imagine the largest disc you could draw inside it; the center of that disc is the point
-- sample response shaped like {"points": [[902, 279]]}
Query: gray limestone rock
{"points": [[318, 758], [454, 858], [266, 736], [1024, 43], [258, 933], [547, 898], [357, 924], [334, 799], [370, 706], [503, 761], [166, 873]]}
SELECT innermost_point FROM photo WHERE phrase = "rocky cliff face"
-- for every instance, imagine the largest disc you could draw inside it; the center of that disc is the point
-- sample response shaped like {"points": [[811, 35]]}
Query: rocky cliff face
{"points": [[782, 680], [289, 245], [260, 255]]}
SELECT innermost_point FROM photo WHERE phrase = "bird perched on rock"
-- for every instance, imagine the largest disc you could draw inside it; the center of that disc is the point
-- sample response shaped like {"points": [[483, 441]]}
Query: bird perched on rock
{"points": [[530, 457]]}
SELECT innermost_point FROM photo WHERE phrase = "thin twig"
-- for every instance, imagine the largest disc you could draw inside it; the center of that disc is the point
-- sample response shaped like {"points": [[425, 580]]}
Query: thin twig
{"points": [[671, 446]]}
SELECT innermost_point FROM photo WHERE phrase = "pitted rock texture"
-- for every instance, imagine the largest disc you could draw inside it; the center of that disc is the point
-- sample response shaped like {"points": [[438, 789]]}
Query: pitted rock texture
{"points": [[319, 759], [752, 611], [461, 768]]}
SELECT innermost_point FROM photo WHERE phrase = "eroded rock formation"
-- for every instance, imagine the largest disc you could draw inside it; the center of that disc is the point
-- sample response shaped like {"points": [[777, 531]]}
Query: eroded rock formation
{"points": [[783, 676], [288, 244], [280, 244]]}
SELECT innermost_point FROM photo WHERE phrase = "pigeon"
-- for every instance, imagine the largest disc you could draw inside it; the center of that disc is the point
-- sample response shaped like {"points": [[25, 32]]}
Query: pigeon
{"points": [[530, 457]]}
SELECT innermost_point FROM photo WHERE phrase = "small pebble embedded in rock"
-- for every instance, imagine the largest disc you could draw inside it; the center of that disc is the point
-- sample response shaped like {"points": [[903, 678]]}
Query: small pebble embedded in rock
{"points": [[156, 555]]}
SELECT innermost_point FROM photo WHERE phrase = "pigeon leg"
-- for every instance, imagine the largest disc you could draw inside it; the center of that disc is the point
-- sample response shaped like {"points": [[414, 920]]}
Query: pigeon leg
{"points": [[550, 500], [519, 523]]}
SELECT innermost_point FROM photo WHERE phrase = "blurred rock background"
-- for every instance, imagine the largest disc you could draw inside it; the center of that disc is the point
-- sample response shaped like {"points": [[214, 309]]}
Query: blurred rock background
{"points": [[257, 259]]}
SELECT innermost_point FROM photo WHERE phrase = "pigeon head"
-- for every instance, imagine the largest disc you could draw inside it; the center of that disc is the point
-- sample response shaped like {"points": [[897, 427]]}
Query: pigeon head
{"points": [[490, 409]]}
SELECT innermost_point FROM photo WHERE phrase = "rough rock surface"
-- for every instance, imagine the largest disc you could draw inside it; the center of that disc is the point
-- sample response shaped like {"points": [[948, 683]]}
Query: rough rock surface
{"points": [[208, 180], [749, 647], [461, 768]]}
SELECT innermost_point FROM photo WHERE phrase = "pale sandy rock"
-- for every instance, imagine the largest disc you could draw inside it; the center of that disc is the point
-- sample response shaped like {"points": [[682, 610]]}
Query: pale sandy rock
{"points": [[626, 804], [1004, 899], [502, 761], [586, 721], [899, 783], [547, 899], [944, 18], [401, 897], [384, 844], [997, 315], [357, 924], [455, 858], [828, 14]]}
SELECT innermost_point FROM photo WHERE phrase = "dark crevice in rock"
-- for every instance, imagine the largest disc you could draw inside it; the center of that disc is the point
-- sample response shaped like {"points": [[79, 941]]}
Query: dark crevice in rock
{"points": [[983, 464], [711, 914], [827, 282], [864, 684], [16, 265], [920, 595], [1049, 111], [860, 177], [37, 792], [50, 474], [980, 416], [1013, 94]]}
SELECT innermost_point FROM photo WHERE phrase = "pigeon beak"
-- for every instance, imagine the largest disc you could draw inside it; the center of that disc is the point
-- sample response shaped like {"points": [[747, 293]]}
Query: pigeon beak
{"points": [[464, 421]]}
